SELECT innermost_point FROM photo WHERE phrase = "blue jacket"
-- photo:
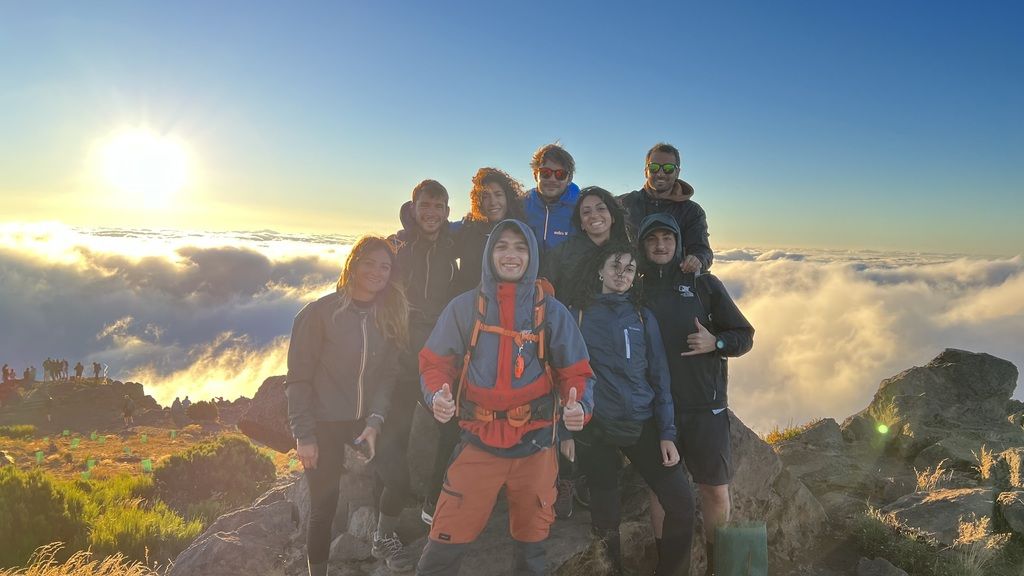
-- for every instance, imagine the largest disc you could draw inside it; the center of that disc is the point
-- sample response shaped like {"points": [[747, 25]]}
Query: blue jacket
{"points": [[551, 222], [628, 359], [491, 381]]}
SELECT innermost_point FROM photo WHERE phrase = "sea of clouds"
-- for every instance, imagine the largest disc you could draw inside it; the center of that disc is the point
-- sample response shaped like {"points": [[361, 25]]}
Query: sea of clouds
{"points": [[209, 314]]}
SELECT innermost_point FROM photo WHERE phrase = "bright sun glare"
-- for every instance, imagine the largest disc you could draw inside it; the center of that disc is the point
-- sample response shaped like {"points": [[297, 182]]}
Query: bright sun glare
{"points": [[147, 166]]}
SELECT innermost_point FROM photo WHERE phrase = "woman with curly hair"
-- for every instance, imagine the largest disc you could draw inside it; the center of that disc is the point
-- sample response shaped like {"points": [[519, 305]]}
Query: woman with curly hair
{"points": [[495, 196], [342, 365]]}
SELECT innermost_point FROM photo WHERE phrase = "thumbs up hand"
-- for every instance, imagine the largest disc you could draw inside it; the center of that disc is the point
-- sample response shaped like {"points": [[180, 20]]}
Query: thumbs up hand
{"points": [[701, 342], [572, 413], [443, 405]]}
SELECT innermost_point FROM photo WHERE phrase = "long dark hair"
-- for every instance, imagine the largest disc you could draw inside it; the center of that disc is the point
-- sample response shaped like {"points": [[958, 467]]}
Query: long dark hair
{"points": [[590, 284], [391, 310], [618, 230]]}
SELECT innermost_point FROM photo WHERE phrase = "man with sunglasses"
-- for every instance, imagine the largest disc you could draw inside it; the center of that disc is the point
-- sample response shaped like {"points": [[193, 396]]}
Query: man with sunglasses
{"points": [[664, 191], [549, 206]]}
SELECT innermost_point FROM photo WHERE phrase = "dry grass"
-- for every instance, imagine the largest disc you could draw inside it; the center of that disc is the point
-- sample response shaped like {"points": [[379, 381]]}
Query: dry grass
{"points": [[986, 461], [776, 435], [44, 563], [109, 457], [885, 413], [976, 548], [931, 478], [1013, 461]]}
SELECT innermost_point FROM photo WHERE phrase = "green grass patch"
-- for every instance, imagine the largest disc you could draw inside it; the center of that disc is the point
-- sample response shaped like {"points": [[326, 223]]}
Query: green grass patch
{"points": [[18, 431], [138, 531]]}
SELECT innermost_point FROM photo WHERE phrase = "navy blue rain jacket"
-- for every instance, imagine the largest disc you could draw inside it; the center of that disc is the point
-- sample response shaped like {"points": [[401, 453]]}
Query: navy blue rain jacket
{"points": [[628, 359]]}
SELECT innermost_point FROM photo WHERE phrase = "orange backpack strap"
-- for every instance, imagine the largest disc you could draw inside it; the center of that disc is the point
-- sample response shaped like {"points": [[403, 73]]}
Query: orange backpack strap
{"points": [[478, 325]]}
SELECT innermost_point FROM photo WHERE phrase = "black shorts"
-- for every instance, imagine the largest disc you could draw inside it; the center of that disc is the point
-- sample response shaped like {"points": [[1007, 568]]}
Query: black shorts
{"points": [[705, 447]]}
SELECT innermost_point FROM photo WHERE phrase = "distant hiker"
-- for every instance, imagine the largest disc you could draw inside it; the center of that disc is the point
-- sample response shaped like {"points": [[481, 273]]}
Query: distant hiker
{"points": [[665, 192], [495, 196], [525, 368], [64, 369], [127, 410], [27, 375], [426, 273], [186, 403], [633, 410], [178, 414], [700, 327], [549, 206], [6, 374], [48, 405], [79, 369], [96, 367], [342, 365]]}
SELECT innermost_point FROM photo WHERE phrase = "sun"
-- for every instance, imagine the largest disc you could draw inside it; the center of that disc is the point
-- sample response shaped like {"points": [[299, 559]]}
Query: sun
{"points": [[145, 166]]}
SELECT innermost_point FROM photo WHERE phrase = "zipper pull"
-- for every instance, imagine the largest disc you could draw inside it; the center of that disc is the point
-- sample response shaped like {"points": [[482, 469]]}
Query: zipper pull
{"points": [[520, 363]]}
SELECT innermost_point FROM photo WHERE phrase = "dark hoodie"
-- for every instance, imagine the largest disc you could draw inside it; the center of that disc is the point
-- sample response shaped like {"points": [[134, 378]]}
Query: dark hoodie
{"points": [[689, 217], [426, 271], [698, 382], [491, 381]]}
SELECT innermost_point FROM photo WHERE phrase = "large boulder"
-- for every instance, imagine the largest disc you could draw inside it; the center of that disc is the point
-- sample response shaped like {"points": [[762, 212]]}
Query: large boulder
{"points": [[944, 410], [878, 567], [266, 420], [1011, 508], [939, 513], [252, 541]]}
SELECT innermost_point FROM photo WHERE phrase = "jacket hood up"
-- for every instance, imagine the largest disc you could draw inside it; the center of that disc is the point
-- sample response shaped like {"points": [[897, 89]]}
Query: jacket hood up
{"points": [[659, 220], [489, 279]]}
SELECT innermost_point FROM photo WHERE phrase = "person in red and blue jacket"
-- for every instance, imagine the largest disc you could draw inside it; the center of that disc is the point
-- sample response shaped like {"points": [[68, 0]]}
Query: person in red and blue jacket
{"points": [[526, 370]]}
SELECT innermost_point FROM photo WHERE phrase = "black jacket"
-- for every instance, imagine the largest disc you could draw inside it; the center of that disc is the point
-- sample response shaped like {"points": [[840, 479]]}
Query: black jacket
{"points": [[689, 216], [698, 382], [470, 240], [563, 266]]}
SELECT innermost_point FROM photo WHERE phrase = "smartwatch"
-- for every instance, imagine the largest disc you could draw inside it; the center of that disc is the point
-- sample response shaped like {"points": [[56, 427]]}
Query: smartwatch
{"points": [[720, 344]]}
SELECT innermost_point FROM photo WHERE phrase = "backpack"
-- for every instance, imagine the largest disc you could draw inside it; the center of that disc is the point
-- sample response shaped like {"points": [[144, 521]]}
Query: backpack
{"points": [[538, 334]]}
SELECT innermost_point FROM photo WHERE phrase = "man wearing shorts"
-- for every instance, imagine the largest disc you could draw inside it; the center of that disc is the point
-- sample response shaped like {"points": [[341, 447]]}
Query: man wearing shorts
{"points": [[700, 327]]}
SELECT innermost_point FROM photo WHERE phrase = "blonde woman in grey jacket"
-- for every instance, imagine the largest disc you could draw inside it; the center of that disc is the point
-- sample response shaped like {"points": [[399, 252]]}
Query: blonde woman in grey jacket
{"points": [[342, 365]]}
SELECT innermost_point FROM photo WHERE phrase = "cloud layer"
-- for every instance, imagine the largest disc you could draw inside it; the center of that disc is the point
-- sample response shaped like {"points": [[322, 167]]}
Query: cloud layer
{"points": [[210, 314]]}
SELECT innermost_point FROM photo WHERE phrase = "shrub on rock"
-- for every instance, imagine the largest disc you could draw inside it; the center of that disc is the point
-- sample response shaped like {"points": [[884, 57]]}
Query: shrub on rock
{"points": [[230, 467]]}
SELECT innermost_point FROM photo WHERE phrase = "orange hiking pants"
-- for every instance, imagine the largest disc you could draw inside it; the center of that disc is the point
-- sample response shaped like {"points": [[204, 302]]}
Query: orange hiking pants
{"points": [[471, 488]]}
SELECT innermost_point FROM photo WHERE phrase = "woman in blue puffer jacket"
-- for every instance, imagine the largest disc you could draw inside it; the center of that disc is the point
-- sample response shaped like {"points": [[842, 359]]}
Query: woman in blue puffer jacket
{"points": [[633, 412]]}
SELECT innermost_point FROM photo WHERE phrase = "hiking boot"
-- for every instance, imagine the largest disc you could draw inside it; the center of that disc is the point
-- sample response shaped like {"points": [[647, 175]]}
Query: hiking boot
{"points": [[563, 502], [582, 492], [427, 513], [390, 549]]}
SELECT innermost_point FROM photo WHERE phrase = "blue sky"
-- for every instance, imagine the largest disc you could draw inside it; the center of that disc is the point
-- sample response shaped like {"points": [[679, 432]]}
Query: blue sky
{"points": [[861, 125]]}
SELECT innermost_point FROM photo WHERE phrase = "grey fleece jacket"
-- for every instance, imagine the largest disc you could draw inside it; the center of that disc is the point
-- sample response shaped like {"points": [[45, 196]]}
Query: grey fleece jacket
{"points": [[340, 367]]}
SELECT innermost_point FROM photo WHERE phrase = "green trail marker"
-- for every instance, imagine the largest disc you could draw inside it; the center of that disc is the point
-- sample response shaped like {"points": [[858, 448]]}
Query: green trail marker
{"points": [[127, 450], [174, 433], [75, 442], [102, 440], [66, 433], [46, 439], [86, 475], [39, 456], [143, 438], [92, 436], [147, 465], [90, 463]]}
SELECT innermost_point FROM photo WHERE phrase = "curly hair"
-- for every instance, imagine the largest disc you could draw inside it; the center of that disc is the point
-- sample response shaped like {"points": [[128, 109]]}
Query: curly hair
{"points": [[555, 153], [513, 194], [391, 309], [618, 231], [591, 268]]}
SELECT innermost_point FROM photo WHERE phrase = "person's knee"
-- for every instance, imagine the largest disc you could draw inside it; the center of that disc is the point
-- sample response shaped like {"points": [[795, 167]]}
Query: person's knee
{"points": [[715, 496]]}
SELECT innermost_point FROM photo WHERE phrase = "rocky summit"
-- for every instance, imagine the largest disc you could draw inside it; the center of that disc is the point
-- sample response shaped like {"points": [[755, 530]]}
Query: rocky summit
{"points": [[935, 458]]}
